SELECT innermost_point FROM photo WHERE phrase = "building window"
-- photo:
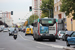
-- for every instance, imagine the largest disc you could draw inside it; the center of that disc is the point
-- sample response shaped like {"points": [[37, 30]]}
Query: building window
{"points": [[59, 7], [56, 16], [55, 8], [58, 0], [55, 1], [59, 15]]}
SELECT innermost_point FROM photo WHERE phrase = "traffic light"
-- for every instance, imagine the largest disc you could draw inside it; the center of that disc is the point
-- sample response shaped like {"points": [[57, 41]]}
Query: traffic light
{"points": [[19, 18], [30, 8], [56, 20], [11, 12]]}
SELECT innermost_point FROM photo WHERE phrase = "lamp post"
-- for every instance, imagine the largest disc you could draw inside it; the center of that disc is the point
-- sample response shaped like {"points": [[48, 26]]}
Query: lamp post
{"points": [[47, 9], [51, 9]]}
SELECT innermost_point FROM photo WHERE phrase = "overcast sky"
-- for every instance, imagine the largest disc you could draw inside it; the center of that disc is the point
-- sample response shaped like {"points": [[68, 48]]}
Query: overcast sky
{"points": [[20, 8]]}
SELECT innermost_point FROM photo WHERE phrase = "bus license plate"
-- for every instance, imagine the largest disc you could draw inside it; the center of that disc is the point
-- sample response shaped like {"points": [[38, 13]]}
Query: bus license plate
{"points": [[47, 34], [15, 34]]}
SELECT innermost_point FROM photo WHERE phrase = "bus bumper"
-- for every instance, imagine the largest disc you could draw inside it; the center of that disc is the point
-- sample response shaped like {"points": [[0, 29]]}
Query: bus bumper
{"points": [[50, 36]]}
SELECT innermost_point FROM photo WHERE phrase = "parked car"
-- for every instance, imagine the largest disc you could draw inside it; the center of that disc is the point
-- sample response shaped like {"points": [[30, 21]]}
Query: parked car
{"points": [[0, 29], [11, 31], [67, 34], [60, 34], [29, 31], [71, 39], [5, 29]]}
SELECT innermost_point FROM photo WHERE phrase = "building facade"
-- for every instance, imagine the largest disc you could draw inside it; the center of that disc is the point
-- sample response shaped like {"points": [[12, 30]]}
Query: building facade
{"points": [[63, 20], [36, 5], [59, 15], [6, 18]]}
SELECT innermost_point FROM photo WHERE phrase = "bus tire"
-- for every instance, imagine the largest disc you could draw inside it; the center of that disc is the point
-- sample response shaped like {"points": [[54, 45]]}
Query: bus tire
{"points": [[54, 40], [25, 34], [34, 39], [68, 45]]}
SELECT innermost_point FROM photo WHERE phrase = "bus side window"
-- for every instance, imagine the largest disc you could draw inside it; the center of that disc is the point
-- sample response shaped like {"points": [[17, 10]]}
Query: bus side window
{"points": [[35, 24]]}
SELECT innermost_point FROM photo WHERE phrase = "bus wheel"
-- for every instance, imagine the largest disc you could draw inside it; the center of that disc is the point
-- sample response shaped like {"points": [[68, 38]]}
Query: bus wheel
{"points": [[54, 40], [68, 44], [39, 39], [34, 39]]}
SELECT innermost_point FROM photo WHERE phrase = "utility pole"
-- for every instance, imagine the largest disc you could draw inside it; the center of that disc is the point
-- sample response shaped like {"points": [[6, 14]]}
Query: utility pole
{"points": [[71, 25]]}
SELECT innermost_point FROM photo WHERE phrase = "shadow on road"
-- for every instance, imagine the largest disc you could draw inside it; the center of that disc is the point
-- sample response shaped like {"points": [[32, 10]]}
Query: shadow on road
{"points": [[45, 40]]}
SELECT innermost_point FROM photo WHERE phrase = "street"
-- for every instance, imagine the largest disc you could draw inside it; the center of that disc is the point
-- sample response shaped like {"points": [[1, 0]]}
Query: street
{"points": [[27, 43]]}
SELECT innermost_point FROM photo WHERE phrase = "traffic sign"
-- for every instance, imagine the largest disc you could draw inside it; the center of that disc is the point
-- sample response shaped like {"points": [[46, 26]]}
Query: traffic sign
{"points": [[71, 19]]}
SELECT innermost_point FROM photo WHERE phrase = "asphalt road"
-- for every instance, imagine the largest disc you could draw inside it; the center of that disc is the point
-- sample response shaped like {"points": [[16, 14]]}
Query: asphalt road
{"points": [[27, 43]]}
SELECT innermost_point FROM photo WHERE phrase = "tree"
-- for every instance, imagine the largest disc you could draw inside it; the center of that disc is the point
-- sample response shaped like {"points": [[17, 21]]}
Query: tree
{"points": [[68, 7], [26, 22], [31, 18], [47, 4]]}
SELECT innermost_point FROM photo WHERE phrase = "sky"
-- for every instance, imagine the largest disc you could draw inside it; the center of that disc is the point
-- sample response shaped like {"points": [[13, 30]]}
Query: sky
{"points": [[20, 8]]}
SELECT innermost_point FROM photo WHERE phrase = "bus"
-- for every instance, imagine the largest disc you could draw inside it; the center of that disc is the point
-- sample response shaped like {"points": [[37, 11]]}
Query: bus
{"points": [[45, 28]]}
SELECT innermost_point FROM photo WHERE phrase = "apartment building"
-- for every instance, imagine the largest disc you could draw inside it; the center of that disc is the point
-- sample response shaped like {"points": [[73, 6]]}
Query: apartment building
{"points": [[6, 18], [36, 5], [63, 20]]}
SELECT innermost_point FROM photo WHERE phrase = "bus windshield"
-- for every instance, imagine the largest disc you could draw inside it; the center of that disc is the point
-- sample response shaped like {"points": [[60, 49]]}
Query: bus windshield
{"points": [[47, 21]]}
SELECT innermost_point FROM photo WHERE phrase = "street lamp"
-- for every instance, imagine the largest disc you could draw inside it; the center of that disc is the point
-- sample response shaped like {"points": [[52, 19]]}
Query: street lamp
{"points": [[52, 7], [49, 11]]}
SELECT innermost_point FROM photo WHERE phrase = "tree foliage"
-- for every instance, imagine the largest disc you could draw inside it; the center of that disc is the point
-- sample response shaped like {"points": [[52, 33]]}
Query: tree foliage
{"points": [[68, 6], [47, 4], [32, 18], [26, 22]]}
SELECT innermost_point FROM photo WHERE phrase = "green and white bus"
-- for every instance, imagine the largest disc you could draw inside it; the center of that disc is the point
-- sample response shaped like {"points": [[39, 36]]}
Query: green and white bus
{"points": [[45, 28]]}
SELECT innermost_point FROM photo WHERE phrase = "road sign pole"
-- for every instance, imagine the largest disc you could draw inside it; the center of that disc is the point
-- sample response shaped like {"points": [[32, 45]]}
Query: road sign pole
{"points": [[71, 25]]}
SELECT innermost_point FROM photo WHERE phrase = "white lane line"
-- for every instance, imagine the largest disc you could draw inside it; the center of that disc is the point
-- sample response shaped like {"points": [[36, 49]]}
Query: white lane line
{"points": [[51, 45], [56, 46], [22, 37], [38, 47], [2, 48]]}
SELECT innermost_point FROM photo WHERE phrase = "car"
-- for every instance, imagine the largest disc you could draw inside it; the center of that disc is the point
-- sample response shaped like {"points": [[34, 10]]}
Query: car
{"points": [[23, 30], [5, 29], [60, 34], [20, 29], [11, 31], [67, 34], [71, 39], [0, 29], [29, 31]]}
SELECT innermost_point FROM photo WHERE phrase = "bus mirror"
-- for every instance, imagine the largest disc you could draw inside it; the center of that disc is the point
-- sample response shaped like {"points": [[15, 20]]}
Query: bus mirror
{"points": [[32, 24], [54, 20], [40, 21]]}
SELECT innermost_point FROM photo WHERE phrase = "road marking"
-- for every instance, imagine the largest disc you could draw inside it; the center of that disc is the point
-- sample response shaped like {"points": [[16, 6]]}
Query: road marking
{"points": [[2, 48], [38, 47], [51, 45], [22, 37]]}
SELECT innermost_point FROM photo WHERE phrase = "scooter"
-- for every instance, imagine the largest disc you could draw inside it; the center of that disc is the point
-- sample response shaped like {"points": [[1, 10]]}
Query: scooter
{"points": [[15, 35]]}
